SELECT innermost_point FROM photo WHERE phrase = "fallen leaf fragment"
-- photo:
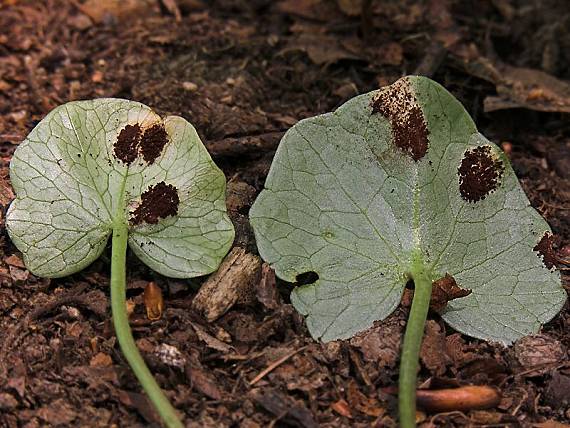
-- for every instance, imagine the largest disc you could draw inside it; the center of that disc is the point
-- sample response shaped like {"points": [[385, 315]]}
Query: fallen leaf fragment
{"points": [[203, 383], [550, 424], [232, 283], [153, 301], [463, 398], [266, 290], [342, 408], [368, 405], [101, 360], [444, 290], [284, 407], [538, 350]]}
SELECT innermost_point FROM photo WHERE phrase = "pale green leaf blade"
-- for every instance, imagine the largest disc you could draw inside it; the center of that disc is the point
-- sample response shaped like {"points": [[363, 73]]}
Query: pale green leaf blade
{"points": [[72, 186], [201, 234], [343, 201]]}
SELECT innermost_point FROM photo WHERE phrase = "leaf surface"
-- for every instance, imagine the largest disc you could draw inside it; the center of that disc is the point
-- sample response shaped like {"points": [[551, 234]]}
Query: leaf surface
{"points": [[90, 164], [395, 177]]}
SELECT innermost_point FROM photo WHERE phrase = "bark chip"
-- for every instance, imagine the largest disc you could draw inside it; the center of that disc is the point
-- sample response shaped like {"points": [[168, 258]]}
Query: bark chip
{"points": [[158, 202], [398, 104], [545, 250], [479, 173], [127, 145], [153, 141]]}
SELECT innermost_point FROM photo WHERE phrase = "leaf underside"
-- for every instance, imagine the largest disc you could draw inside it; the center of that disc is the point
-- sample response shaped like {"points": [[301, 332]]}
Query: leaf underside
{"points": [[355, 195], [72, 184]]}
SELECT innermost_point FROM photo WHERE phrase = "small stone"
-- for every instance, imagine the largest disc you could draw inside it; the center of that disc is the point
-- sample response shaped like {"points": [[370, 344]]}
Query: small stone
{"points": [[189, 86]]}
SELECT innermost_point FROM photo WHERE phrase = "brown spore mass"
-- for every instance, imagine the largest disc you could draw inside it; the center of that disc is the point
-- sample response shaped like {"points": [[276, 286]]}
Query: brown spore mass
{"points": [[158, 202], [544, 249], [153, 141], [443, 290], [127, 145], [409, 129], [479, 173]]}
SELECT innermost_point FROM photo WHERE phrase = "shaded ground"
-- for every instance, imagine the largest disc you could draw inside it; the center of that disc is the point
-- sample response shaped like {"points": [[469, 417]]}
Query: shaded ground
{"points": [[242, 73]]}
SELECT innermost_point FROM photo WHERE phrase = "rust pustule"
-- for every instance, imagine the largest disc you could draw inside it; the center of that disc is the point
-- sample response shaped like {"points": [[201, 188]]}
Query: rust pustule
{"points": [[398, 104], [127, 145], [158, 202], [152, 142], [480, 173], [545, 250]]}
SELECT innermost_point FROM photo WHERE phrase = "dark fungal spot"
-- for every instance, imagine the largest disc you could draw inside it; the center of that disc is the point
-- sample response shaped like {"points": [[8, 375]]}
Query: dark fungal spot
{"points": [[479, 173], [398, 104], [545, 250], [127, 144], [158, 202], [153, 141]]}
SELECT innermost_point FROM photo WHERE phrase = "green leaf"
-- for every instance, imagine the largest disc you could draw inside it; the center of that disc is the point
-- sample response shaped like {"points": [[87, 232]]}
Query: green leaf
{"points": [[395, 181], [90, 164]]}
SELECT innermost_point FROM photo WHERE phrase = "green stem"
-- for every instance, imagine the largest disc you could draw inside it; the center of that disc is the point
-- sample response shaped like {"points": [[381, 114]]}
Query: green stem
{"points": [[412, 344], [123, 329]]}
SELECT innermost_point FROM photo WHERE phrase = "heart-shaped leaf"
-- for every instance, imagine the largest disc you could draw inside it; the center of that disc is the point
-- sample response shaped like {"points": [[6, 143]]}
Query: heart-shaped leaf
{"points": [[90, 164], [396, 178]]}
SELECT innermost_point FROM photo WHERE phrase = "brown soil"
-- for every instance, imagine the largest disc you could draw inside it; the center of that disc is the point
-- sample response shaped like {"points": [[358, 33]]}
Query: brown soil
{"points": [[243, 72]]}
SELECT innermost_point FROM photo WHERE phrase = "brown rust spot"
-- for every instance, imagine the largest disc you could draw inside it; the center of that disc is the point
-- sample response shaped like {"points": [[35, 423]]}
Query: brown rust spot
{"points": [[127, 144], [153, 141], [479, 173], [158, 202], [443, 290], [544, 249], [398, 104]]}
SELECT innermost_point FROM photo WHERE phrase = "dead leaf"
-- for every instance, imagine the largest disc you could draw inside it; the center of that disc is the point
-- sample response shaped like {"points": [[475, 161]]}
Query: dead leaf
{"points": [[57, 413], [266, 290], [556, 394], [368, 405], [284, 407], [538, 350], [381, 343], [433, 351], [350, 7], [321, 48], [172, 7], [153, 301], [551, 423], [6, 193], [101, 360], [203, 382], [15, 261], [444, 290], [519, 87], [99, 10], [211, 341], [341, 407]]}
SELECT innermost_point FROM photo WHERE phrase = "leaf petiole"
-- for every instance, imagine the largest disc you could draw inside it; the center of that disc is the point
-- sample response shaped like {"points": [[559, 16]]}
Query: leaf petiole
{"points": [[412, 343], [123, 329]]}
